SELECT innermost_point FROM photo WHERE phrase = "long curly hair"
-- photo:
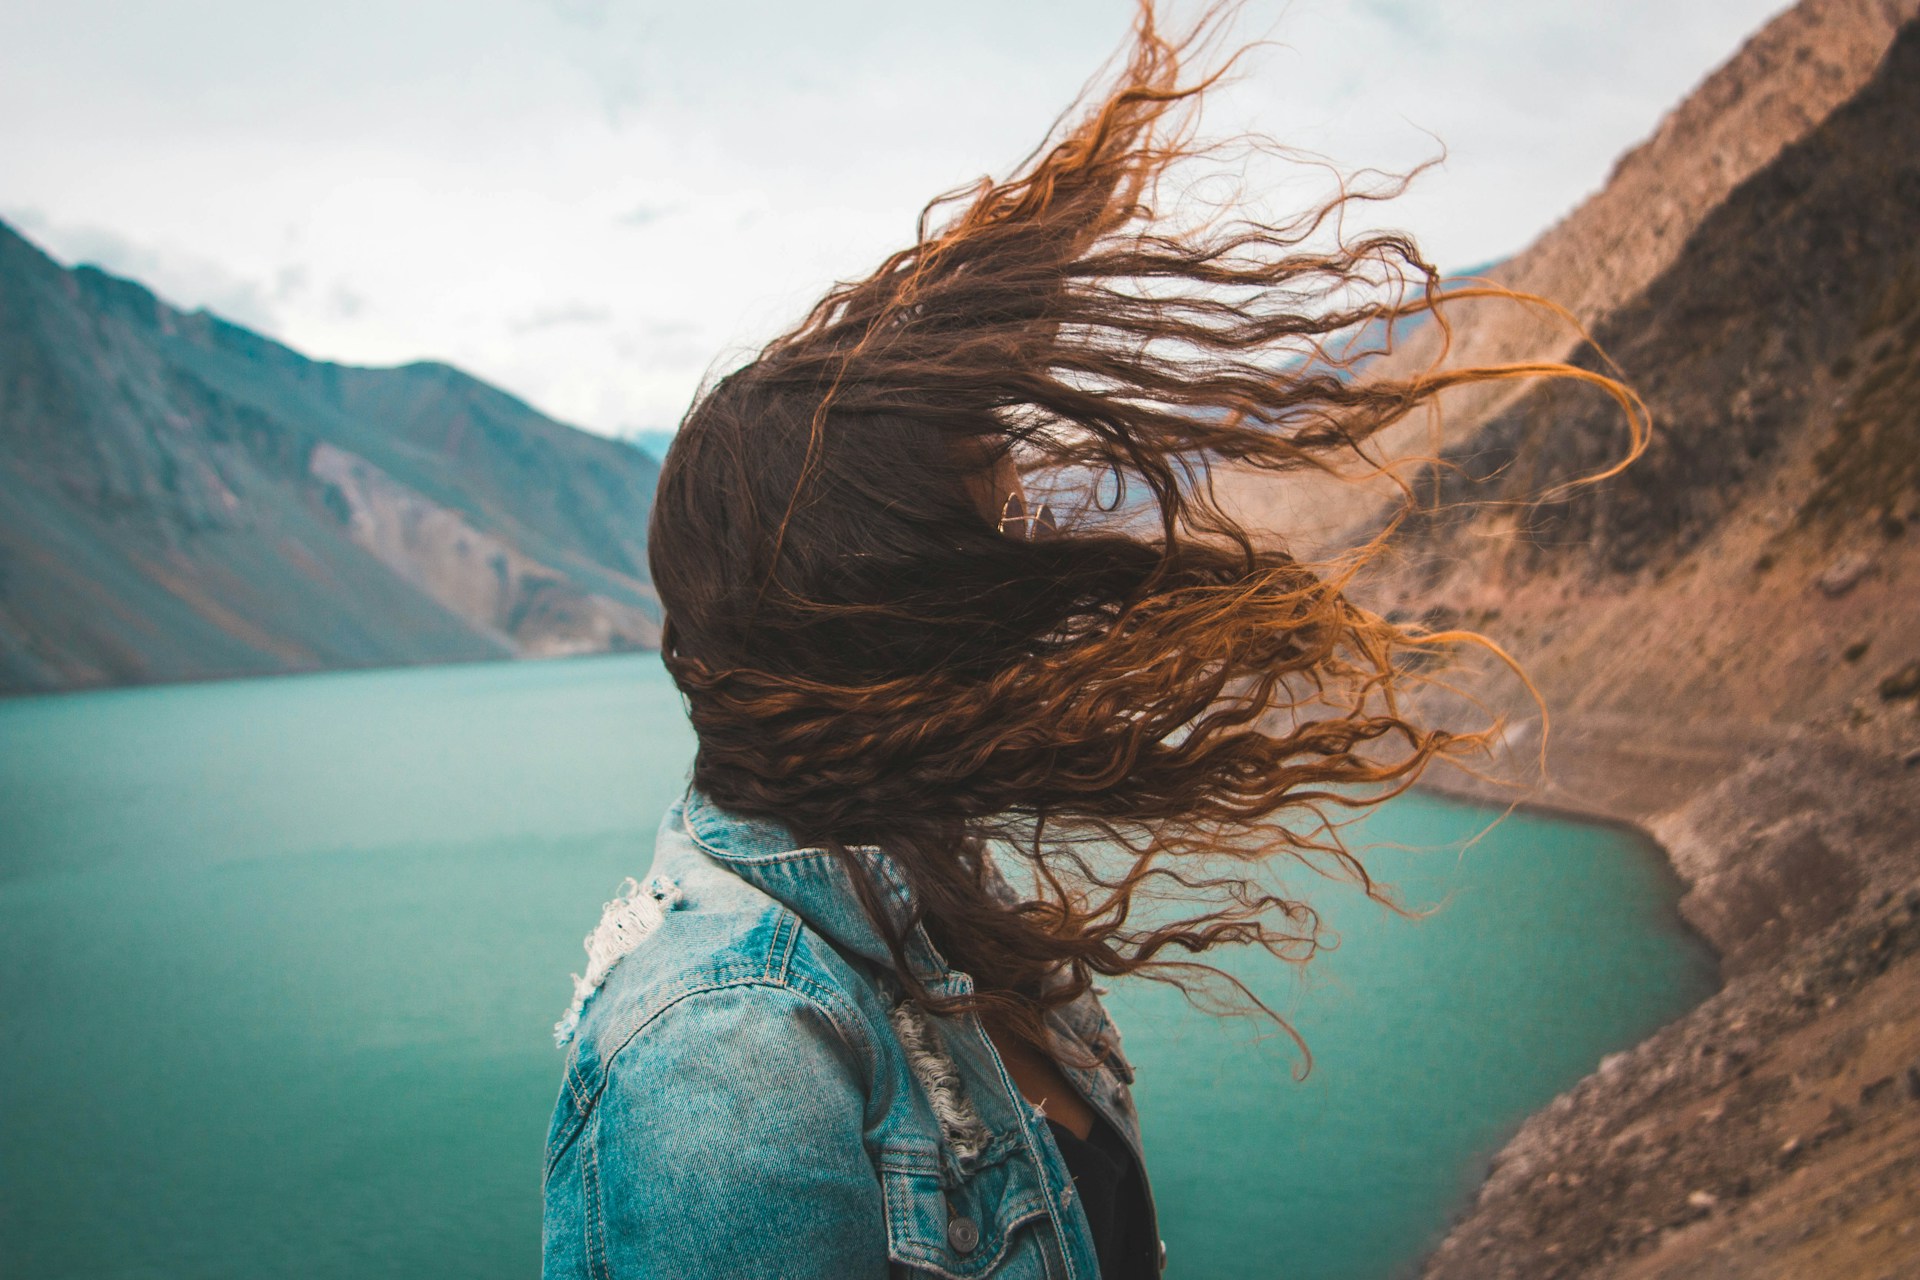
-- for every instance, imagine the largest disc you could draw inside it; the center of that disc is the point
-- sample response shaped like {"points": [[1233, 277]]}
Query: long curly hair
{"points": [[1130, 713]]}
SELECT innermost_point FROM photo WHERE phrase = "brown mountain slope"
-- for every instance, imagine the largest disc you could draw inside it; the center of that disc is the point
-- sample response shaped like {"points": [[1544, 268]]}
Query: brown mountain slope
{"points": [[1780, 85], [1728, 636], [1777, 358], [181, 498]]}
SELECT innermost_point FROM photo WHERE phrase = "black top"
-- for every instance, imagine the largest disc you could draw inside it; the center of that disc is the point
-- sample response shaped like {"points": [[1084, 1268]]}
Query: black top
{"points": [[1112, 1190]]}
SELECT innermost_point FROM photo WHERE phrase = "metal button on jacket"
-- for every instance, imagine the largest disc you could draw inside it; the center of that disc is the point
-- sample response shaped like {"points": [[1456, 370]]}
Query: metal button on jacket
{"points": [[963, 1234]]}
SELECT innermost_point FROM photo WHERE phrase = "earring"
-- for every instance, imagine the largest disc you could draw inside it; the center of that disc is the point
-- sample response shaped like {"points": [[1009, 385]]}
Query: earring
{"points": [[1015, 508]]}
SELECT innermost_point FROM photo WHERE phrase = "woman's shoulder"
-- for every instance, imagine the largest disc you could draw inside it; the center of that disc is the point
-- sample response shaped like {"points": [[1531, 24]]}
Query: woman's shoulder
{"points": [[693, 929]]}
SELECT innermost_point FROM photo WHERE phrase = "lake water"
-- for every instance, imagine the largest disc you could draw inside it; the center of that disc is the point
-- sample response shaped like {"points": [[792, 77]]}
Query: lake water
{"points": [[279, 961]]}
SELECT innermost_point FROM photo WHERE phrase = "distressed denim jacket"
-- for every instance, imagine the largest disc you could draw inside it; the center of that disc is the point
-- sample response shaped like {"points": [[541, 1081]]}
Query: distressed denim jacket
{"points": [[747, 1095]]}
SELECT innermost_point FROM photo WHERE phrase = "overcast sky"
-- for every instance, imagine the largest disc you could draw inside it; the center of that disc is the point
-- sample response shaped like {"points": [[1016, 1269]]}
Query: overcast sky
{"points": [[590, 201]]}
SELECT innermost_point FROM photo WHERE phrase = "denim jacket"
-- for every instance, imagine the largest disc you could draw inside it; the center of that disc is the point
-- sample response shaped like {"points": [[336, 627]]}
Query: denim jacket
{"points": [[747, 1095]]}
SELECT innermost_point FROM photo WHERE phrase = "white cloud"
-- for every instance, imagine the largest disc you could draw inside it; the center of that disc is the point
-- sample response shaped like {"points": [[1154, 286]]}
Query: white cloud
{"points": [[566, 315], [594, 201]]}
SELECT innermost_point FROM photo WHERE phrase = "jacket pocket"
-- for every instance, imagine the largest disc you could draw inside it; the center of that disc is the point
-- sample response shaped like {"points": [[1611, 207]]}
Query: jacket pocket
{"points": [[963, 1228]]}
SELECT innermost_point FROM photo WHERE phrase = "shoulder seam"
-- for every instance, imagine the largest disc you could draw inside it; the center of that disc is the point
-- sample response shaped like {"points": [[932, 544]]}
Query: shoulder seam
{"points": [[844, 1020]]}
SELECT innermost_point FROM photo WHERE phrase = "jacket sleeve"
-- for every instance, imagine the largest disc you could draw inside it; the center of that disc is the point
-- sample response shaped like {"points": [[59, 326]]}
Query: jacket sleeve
{"points": [[726, 1142]]}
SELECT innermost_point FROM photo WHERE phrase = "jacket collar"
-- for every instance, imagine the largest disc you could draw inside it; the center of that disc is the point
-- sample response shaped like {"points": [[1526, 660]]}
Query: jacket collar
{"points": [[818, 887], [814, 883]]}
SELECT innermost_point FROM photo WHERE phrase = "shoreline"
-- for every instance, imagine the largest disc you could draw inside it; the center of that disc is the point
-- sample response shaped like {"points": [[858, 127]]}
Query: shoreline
{"points": [[1486, 795], [1773, 1130]]}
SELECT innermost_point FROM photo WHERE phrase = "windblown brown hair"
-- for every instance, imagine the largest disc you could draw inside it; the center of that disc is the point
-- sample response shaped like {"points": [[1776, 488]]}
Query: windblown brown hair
{"points": [[1143, 706]]}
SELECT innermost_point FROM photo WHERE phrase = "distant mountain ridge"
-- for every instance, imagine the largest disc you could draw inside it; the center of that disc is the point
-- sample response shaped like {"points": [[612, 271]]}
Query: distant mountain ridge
{"points": [[183, 498], [652, 441]]}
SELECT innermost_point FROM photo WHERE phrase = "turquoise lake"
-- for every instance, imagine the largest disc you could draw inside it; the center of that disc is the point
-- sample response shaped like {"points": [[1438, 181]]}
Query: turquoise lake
{"points": [[280, 959]]}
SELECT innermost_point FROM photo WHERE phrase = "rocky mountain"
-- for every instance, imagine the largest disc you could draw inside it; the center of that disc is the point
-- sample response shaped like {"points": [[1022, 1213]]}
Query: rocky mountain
{"points": [[181, 498], [1777, 355], [1776, 89], [1727, 637]]}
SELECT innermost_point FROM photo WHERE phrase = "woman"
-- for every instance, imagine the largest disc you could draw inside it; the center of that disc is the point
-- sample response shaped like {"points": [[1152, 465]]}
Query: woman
{"points": [[958, 759]]}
